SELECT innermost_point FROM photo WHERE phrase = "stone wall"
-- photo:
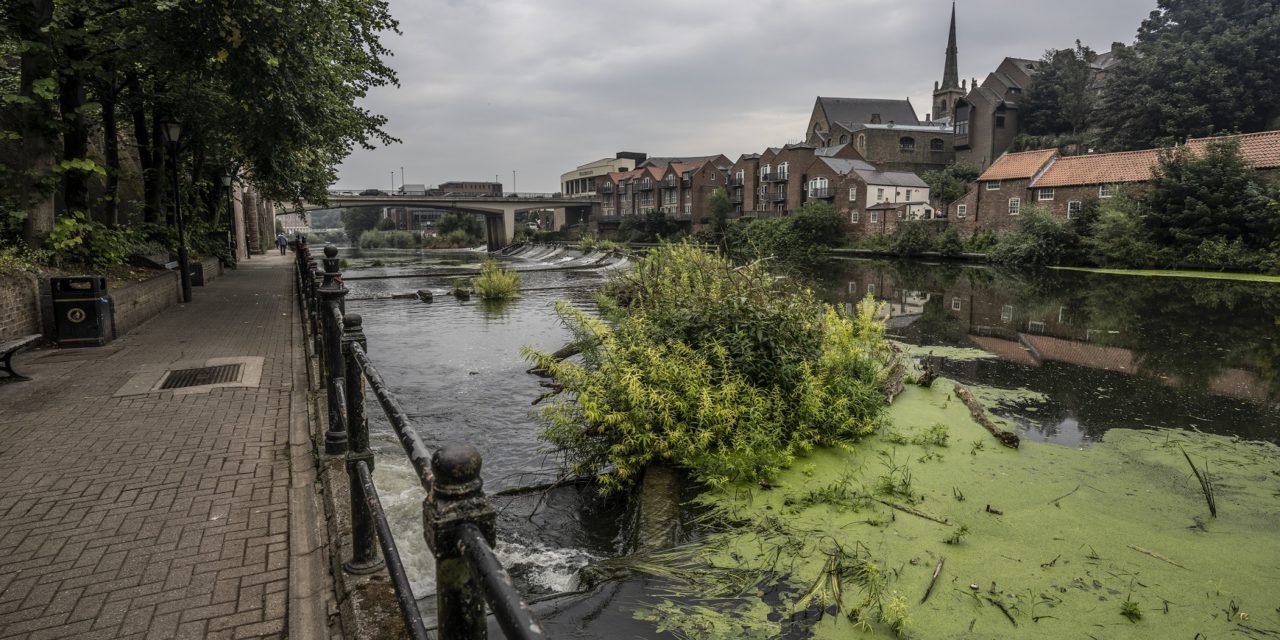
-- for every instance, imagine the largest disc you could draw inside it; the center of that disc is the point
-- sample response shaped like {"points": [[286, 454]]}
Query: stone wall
{"points": [[19, 306], [136, 303]]}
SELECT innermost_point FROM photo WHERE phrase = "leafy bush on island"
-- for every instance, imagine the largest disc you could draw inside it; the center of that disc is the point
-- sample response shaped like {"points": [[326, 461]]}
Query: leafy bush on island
{"points": [[496, 283], [799, 238], [720, 369]]}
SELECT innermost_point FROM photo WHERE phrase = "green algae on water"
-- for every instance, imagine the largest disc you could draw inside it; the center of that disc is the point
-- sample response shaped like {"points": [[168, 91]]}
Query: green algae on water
{"points": [[959, 354], [1058, 541], [1160, 273]]}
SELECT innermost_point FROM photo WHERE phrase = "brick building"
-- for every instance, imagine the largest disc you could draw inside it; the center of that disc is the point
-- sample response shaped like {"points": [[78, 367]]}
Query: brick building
{"points": [[679, 188]]}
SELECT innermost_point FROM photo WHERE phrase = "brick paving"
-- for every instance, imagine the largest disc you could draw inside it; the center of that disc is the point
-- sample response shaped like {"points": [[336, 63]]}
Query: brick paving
{"points": [[154, 515]]}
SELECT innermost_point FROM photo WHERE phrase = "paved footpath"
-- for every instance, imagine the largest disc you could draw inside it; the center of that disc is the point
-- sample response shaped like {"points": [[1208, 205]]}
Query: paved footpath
{"points": [[132, 513]]}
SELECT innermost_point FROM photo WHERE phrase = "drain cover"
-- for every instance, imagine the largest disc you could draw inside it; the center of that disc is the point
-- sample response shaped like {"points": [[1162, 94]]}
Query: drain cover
{"points": [[204, 375]]}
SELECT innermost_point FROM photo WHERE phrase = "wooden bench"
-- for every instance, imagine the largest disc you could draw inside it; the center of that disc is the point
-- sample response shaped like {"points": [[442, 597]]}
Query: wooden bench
{"points": [[8, 349]]}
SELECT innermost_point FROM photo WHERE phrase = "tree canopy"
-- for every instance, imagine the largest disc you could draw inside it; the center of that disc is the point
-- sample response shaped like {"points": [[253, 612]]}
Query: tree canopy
{"points": [[1198, 67], [1061, 100]]}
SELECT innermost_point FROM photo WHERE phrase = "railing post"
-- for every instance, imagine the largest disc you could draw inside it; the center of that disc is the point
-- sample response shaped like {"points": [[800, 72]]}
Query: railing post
{"points": [[364, 544], [456, 498], [331, 294]]}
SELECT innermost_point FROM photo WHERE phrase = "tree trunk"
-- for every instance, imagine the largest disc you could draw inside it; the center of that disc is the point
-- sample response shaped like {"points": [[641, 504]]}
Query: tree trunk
{"points": [[38, 143], [147, 159], [111, 151], [75, 137]]}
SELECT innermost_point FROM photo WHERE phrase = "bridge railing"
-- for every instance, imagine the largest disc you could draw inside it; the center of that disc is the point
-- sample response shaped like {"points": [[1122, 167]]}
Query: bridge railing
{"points": [[460, 523]]}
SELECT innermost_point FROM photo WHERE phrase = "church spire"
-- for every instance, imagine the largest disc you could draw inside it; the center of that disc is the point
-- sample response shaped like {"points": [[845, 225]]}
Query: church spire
{"points": [[950, 74]]}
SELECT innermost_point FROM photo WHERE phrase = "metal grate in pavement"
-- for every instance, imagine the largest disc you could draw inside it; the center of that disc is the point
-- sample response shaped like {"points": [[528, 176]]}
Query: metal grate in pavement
{"points": [[204, 375]]}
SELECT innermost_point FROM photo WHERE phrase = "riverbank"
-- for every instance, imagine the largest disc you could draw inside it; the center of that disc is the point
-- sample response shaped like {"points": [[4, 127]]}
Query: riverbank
{"points": [[1043, 541]]}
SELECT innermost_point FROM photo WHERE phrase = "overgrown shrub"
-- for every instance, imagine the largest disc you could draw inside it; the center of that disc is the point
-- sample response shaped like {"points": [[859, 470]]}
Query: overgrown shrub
{"points": [[911, 238], [1119, 238], [982, 241], [380, 239], [22, 258], [949, 243], [496, 283], [1217, 253], [792, 239], [722, 370], [1041, 239]]}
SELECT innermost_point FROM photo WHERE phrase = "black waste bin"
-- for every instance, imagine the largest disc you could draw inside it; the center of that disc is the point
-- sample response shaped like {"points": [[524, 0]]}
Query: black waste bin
{"points": [[80, 310]]}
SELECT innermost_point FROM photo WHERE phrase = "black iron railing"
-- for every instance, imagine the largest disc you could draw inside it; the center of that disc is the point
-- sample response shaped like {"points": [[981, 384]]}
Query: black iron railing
{"points": [[459, 520]]}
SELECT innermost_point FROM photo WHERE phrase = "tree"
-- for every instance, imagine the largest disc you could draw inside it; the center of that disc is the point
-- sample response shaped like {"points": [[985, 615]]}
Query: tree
{"points": [[455, 220], [720, 207], [358, 220], [1061, 99], [951, 183], [1199, 67], [1211, 196]]}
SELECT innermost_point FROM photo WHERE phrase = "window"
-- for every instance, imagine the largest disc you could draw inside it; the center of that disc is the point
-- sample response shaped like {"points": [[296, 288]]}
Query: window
{"points": [[844, 138], [1073, 209], [999, 122], [853, 288], [907, 143], [875, 217], [862, 142], [955, 304], [1108, 190], [937, 144], [1035, 327], [782, 169], [908, 197], [879, 195], [1044, 194], [871, 288], [962, 128], [853, 194], [1063, 318], [1006, 313], [962, 210], [993, 185], [1015, 206], [854, 216], [741, 176], [818, 185], [764, 171]]}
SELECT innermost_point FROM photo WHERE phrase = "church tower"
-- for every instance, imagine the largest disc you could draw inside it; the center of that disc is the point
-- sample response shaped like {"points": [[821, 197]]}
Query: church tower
{"points": [[946, 94]]}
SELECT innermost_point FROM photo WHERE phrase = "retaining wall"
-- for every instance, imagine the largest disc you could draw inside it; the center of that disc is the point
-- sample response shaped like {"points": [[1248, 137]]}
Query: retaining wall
{"points": [[19, 306], [136, 303]]}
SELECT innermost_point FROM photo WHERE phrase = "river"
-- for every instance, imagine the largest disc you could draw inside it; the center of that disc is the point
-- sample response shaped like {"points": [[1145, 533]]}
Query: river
{"points": [[1062, 355]]}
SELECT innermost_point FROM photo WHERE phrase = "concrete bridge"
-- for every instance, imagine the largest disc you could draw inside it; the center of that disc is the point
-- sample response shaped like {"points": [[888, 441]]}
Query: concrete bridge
{"points": [[499, 211]]}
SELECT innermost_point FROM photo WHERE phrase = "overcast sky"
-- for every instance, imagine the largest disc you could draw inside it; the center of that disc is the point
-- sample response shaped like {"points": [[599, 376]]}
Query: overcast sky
{"points": [[541, 86]]}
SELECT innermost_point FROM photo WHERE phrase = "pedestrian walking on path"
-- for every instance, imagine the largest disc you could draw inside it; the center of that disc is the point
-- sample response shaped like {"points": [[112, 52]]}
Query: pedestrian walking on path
{"points": [[282, 241]]}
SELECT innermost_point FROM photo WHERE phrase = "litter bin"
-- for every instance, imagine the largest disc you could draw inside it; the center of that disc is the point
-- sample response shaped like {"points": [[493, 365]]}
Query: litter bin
{"points": [[80, 308]]}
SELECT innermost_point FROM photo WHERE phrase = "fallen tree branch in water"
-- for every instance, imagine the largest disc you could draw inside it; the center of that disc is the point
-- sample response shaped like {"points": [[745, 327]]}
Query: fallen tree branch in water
{"points": [[915, 512], [979, 413], [936, 572], [1155, 555]]}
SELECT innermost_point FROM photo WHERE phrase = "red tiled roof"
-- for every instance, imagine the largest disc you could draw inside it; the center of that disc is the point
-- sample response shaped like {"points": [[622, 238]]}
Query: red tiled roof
{"points": [[1100, 168], [617, 176], [1024, 164], [1261, 149]]}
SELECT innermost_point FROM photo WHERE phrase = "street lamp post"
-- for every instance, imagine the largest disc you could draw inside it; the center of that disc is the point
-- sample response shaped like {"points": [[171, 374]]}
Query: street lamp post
{"points": [[172, 132]]}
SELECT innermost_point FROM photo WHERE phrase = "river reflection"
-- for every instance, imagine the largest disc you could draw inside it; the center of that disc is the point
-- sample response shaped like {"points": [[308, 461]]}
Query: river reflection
{"points": [[1099, 351]]}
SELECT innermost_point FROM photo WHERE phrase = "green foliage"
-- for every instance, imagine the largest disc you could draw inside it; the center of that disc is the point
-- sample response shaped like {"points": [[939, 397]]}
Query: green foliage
{"points": [[951, 183], [357, 220], [1120, 238], [76, 240], [1041, 239], [649, 227], [388, 239], [468, 223], [496, 283], [386, 224], [20, 258], [1198, 67], [792, 239], [718, 369], [911, 238], [982, 241], [949, 243], [719, 205], [1061, 100], [1216, 253], [1216, 195]]}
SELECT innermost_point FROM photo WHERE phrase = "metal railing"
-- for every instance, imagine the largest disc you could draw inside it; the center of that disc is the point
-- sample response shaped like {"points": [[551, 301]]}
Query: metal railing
{"points": [[459, 521]]}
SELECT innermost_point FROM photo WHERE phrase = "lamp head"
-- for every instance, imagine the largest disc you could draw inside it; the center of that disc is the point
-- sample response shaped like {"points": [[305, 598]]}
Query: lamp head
{"points": [[172, 131], [226, 179]]}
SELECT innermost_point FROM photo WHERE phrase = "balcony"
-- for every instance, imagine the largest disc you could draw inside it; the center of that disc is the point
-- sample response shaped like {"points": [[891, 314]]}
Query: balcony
{"points": [[778, 196], [670, 184], [735, 198], [644, 186], [605, 188], [735, 181], [686, 181], [775, 177], [822, 194]]}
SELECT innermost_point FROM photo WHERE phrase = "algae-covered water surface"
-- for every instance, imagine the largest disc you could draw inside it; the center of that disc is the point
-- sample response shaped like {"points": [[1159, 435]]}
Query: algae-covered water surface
{"points": [[1045, 541]]}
